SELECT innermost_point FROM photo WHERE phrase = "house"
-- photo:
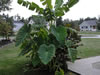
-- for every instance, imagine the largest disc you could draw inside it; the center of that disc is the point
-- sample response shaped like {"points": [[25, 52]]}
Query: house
{"points": [[18, 25], [89, 25], [31, 21]]}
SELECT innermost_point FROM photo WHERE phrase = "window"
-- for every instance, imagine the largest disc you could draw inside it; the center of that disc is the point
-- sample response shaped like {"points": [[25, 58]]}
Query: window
{"points": [[82, 27], [86, 27]]}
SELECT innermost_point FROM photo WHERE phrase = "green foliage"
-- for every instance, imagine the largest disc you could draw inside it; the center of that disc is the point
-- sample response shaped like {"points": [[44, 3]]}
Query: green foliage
{"points": [[26, 47], [98, 26], [61, 72], [72, 54], [59, 8], [49, 48], [38, 20], [48, 3], [31, 6], [5, 28], [60, 33], [58, 4], [35, 60], [69, 43], [20, 1], [22, 34], [59, 22], [4, 5], [72, 2], [46, 53]]}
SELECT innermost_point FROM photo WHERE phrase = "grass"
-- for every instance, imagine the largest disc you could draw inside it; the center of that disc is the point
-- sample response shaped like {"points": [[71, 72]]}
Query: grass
{"points": [[89, 32], [90, 48], [10, 63]]}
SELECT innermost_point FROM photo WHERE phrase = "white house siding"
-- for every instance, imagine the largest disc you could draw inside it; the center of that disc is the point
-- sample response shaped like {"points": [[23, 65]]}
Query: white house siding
{"points": [[88, 26]]}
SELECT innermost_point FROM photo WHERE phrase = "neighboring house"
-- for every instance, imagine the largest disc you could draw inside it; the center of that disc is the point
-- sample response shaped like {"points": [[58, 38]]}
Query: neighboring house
{"points": [[31, 21], [18, 25], [90, 25]]}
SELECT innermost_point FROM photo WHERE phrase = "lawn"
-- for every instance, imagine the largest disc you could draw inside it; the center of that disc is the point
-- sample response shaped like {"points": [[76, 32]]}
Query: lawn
{"points": [[90, 48], [10, 63]]}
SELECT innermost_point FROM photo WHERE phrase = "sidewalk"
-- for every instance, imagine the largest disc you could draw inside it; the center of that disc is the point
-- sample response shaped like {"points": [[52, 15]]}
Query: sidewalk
{"points": [[95, 36], [88, 66]]}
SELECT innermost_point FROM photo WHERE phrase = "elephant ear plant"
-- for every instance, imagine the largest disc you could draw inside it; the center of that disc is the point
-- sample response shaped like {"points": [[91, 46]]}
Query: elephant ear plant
{"points": [[49, 49]]}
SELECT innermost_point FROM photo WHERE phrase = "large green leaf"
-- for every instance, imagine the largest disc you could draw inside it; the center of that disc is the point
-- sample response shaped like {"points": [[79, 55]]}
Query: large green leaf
{"points": [[35, 60], [49, 14], [22, 34], [47, 2], [26, 48], [31, 6], [72, 2], [46, 53], [60, 33], [61, 72], [69, 43], [58, 9], [59, 12], [61, 7], [58, 4], [65, 7], [72, 54], [20, 1]]}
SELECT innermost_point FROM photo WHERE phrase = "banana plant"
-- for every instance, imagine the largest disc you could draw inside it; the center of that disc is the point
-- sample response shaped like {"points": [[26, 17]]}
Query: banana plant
{"points": [[50, 47]]}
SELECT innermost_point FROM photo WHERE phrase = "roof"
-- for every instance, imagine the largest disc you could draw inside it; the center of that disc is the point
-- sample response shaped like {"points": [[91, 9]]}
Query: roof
{"points": [[18, 22], [18, 25], [89, 22]]}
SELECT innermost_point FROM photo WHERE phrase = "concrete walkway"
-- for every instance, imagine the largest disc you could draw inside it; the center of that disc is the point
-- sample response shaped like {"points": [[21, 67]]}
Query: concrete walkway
{"points": [[95, 36], [88, 66]]}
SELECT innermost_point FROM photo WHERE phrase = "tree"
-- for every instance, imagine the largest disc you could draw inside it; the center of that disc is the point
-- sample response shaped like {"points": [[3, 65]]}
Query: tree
{"points": [[4, 5], [49, 49], [5, 28], [8, 19], [80, 21], [72, 24], [98, 25], [88, 18]]}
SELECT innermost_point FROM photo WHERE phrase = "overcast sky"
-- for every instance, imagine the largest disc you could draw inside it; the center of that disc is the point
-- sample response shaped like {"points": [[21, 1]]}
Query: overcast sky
{"points": [[83, 9]]}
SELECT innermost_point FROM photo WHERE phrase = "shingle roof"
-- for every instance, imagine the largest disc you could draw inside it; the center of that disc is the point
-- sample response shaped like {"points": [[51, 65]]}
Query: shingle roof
{"points": [[89, 22], [18, 25]]}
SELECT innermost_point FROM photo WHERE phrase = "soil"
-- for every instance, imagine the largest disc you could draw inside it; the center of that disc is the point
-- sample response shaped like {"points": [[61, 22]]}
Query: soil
{"points": [[41, 72], [38, 73]]}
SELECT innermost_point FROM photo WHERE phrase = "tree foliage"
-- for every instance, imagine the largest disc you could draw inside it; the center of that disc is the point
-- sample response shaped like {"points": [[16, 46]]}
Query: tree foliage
{"points": [[5, 28], [4, 5], [98, 26], [48, 47]]}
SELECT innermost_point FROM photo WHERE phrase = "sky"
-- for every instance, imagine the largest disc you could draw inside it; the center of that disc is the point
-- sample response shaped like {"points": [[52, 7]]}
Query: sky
{"points": [[83, 9]]}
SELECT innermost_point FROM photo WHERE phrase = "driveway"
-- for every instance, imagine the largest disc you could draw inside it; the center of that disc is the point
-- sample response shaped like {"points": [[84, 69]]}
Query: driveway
{"points": [[88, 66]]}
